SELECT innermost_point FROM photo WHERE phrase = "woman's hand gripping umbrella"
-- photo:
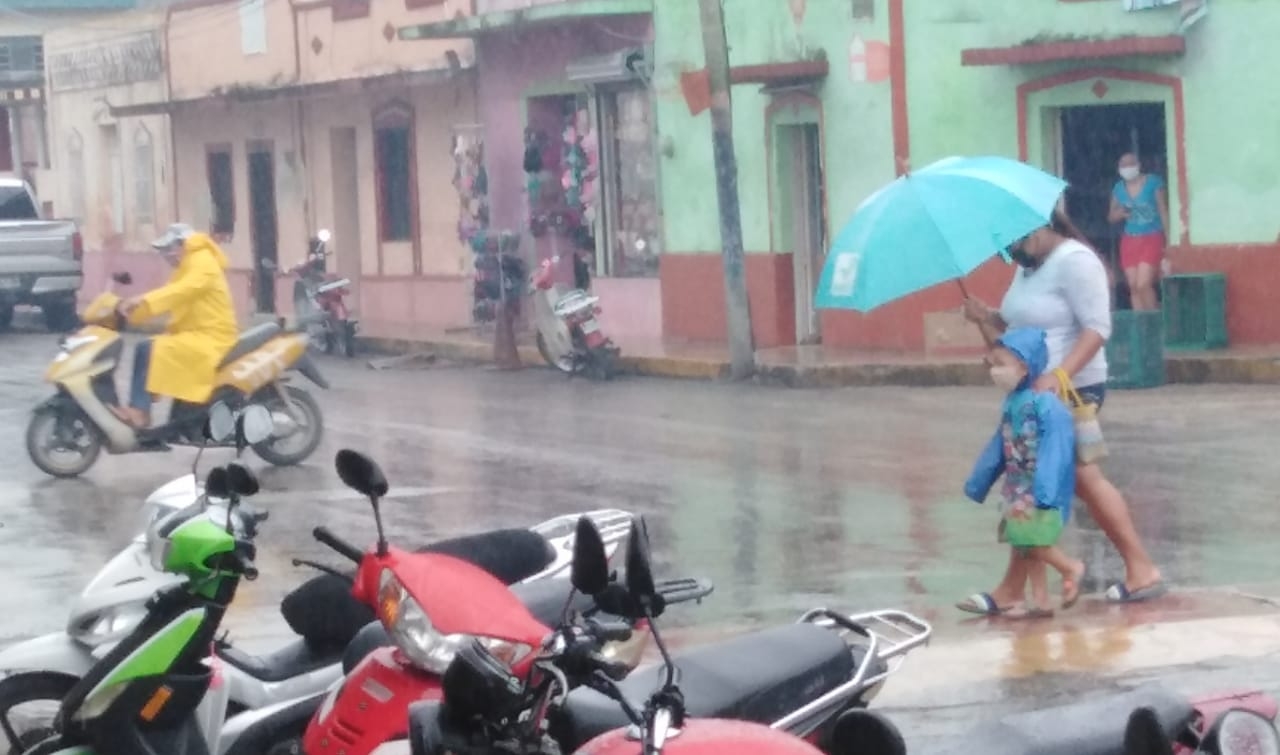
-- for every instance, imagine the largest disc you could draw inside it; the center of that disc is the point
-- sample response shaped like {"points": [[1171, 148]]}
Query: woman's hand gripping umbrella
{"points": [[934, 225]]}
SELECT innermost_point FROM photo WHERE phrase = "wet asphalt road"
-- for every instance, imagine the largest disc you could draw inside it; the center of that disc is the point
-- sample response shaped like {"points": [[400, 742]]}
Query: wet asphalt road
{"points": [[786, 499]]}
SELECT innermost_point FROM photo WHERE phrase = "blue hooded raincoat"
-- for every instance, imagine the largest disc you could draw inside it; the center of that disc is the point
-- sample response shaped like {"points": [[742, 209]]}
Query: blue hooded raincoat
{"points": [[1035, 426]]}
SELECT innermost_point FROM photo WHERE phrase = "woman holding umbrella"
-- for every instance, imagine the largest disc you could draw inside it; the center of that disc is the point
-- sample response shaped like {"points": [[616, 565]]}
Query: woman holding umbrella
{"points": [[944, 221], [1062, 288]]}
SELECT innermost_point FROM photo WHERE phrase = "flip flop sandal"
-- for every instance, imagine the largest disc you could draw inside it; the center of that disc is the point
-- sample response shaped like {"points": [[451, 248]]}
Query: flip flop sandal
{"points": [[1069, 600], [1118, 593], [982, 604], [1024, 613]]}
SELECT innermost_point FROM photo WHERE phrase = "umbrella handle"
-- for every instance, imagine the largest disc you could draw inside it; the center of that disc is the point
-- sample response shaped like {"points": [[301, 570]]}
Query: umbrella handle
{"points": [[986, 337]]}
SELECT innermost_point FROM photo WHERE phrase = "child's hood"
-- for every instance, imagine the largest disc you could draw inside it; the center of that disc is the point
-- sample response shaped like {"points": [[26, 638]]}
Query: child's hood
{"points": [[1028, 345]]}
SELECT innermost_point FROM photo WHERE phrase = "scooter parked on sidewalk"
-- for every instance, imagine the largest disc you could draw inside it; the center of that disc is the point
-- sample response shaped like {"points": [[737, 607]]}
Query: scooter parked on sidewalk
{"points": [[321, 611], [70, 429], [699, 705], [568, 333], [320, 299], [369, 709]]}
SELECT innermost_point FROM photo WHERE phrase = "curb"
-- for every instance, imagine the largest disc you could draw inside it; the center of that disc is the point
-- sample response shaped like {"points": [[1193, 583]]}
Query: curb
{"points": [[1182, 369]]}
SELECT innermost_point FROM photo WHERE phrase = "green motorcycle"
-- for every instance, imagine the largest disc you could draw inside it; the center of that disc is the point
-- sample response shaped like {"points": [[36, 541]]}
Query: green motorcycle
{"points": [[157, 691]]}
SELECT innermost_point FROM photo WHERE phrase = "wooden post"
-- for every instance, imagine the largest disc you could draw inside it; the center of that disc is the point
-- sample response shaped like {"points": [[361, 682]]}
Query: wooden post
{"points": [[742, 358]]}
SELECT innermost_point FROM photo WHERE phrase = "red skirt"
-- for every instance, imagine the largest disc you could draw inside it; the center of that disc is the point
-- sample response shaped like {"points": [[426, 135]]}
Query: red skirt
{"points": [[1147, 249]]}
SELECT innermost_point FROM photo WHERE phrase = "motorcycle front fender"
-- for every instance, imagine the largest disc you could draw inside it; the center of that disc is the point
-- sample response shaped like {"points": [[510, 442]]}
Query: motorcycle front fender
{"points": [[55, 652]]}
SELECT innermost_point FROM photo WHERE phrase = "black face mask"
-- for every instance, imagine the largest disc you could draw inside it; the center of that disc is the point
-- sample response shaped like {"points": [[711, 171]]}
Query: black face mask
{"points": [[1023, 259]]}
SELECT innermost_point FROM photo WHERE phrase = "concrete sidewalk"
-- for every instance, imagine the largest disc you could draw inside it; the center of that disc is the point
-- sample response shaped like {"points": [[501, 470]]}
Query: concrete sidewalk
{"points": [[819, 366]]}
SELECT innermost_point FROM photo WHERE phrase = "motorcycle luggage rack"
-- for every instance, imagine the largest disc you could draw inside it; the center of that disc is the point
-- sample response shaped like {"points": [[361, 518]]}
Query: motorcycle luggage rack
{"points": [[888, 635]]}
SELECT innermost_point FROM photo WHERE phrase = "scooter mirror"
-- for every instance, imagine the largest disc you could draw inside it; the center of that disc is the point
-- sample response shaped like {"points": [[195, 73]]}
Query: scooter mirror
{"points": [[217, 484], [324, 235], [256, 424], [590, 571], [639, 567], [1241, 732], [360, 473], [220, 424], [862, 731], [241, 481], [1144, 734]]}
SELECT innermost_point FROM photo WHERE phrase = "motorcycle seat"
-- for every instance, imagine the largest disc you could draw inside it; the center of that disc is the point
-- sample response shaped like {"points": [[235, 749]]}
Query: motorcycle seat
{"points": [[761, 677], [1091, 727], [293, 660], [249, 340]]}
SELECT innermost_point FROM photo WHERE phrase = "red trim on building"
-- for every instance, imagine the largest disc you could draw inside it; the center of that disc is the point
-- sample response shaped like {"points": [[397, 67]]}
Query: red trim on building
{"points": [[1047, 52], [898, 85], [693, 307], [1174, 83]]}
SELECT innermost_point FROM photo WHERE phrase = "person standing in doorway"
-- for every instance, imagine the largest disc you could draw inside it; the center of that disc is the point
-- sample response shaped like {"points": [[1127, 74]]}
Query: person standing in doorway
{"points": [[1141, 201]]}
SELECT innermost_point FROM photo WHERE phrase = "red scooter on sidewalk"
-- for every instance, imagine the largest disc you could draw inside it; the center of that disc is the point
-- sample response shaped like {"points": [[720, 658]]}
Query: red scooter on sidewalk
{"points": [[415, 596], [774, 694], [321, 299]]}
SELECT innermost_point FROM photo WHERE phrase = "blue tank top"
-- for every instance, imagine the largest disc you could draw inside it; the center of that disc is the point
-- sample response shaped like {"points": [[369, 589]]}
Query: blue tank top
{"points": [[1144, 213]]}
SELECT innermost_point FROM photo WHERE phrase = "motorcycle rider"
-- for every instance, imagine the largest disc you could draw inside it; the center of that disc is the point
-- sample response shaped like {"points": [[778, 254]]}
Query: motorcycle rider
{"points": [[183, 361]]}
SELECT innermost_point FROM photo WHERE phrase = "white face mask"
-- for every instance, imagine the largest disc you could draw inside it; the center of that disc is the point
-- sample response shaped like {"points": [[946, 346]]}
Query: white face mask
{"points": [[1006, 378], [1129, 172]]}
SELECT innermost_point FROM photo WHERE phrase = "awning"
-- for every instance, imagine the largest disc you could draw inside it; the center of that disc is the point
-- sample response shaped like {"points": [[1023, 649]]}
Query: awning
{"points": [[1090, 49], [563, 10], [337, 87]]}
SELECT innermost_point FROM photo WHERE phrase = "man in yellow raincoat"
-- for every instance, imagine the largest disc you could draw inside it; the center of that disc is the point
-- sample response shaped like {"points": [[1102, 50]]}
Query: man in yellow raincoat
{"points": [[183, 362]]}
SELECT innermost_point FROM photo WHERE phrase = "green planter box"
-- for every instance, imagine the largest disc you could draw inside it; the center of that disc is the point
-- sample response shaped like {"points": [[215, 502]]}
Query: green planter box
{"points": [[1195, 311], [1135, 351]]}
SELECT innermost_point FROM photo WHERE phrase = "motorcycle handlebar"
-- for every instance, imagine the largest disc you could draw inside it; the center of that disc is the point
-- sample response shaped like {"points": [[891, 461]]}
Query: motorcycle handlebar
{"points": [[609, 631], [343, 548]]}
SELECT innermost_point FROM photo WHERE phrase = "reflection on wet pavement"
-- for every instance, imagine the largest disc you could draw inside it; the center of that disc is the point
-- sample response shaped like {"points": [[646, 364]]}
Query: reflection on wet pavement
{"points": [[786, 499]]}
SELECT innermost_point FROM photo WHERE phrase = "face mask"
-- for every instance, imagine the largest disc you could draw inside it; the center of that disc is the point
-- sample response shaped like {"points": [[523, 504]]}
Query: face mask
{"points": [[1023, 259], [1006, 378], [1129, 172]]}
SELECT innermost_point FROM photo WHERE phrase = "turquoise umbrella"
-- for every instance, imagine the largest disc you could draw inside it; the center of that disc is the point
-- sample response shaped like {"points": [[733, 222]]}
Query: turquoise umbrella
{"points": [[934, 225]]}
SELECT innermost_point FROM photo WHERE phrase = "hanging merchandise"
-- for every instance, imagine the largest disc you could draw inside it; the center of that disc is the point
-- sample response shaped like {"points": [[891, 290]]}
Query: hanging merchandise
{"points": [[580, 159], [472, 184]]}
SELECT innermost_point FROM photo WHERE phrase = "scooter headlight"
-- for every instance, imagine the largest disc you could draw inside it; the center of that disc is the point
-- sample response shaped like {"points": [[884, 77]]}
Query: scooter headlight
{"points": [[415, 635], [1242, 732], [108, 625]]}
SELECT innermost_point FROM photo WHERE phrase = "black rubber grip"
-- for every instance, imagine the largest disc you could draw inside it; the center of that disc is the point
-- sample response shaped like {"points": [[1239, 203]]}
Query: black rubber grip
{"points": [[338, 544]]}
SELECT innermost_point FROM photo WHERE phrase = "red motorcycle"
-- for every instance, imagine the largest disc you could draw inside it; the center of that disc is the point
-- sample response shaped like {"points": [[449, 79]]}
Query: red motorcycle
{"points": [[321, 299], [700, 705], [568, 333], [415, 596]]}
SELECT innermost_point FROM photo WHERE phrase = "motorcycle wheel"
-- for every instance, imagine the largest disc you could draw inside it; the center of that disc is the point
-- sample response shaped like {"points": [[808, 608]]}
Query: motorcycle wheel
{"points": [[295, 447], [51, 431], [24, 689], [604, 363], [564, 363], [348, 340]]}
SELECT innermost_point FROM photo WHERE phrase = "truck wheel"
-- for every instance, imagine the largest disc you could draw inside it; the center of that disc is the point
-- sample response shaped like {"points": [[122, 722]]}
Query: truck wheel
{"points": [[60, 316]]}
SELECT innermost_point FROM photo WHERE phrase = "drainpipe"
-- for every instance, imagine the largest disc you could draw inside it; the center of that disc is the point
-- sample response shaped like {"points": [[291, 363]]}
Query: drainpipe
{"points": [[300, 122]]}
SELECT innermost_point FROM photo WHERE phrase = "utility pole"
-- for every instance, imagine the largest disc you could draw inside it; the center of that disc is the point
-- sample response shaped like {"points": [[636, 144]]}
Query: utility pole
{"points": [[742, 356]]}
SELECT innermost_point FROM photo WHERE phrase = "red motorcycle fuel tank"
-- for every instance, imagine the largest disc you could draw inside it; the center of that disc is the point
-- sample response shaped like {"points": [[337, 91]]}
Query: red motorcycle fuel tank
{"points": [[707, 737]]}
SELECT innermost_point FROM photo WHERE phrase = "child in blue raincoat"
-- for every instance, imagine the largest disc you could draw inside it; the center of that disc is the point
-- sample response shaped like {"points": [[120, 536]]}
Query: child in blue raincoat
{"points": [[1034, 450]]}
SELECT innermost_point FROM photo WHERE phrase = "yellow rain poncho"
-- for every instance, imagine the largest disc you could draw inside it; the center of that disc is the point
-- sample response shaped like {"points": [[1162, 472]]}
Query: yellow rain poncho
{"points": [[202, 323]]}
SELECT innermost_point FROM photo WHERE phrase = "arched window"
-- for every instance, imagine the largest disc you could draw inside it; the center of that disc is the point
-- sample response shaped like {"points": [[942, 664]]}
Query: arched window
{"points": [[394, 161], [76, 173], [144, 176]]}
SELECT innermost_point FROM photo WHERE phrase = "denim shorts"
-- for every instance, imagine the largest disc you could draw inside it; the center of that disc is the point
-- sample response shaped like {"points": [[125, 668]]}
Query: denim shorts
{"points": [[1094, 394]]}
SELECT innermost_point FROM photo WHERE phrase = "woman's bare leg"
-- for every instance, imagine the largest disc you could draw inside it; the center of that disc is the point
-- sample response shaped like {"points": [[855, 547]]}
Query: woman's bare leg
{"points": [[1145, 291], [1013, 586], [1109, 510]]}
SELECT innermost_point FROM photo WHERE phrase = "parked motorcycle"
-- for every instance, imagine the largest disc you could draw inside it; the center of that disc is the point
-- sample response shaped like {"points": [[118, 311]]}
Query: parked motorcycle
{"points": [[77, 420], [698, 705], [568, 333], [157, 690], [319, 299], [412, 596], [321, 612]]}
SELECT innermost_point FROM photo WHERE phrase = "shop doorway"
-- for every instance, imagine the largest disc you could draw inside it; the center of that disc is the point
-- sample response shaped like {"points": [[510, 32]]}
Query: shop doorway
{"points": [[1092, 138], [262, 224], [803, 218]]}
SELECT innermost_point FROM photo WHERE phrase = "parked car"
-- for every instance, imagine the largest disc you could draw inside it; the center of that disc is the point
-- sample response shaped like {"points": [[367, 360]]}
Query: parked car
{"points": [[40, 259]]}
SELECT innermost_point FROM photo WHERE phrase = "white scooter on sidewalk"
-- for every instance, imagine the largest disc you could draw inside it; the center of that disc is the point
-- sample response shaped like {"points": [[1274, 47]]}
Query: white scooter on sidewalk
{"points": [[568, 333], [43, 669]]}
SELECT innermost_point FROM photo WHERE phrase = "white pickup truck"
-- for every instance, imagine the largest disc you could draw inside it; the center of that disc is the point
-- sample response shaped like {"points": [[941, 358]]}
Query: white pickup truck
{"points": [[40, 260]]}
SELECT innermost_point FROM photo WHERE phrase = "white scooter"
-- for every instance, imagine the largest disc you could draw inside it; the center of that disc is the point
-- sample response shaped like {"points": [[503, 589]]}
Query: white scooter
{"points": [[568, 333], [111, 606]]}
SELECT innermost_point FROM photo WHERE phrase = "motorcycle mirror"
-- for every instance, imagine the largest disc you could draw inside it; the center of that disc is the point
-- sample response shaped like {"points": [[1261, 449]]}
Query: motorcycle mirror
{"points": [[861, 731], [590, 571], [1144, 734], [324, 235], [123, 279], [639, 567], [255, 425], [1241, 732], [241, 481], [220, 425], [217, 484], [362, 474]]}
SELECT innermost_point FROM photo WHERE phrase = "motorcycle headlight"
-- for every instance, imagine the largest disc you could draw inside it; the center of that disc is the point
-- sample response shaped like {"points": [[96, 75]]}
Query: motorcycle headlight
{"points": [[1242, 732], [412, 631], [108, 624]]}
